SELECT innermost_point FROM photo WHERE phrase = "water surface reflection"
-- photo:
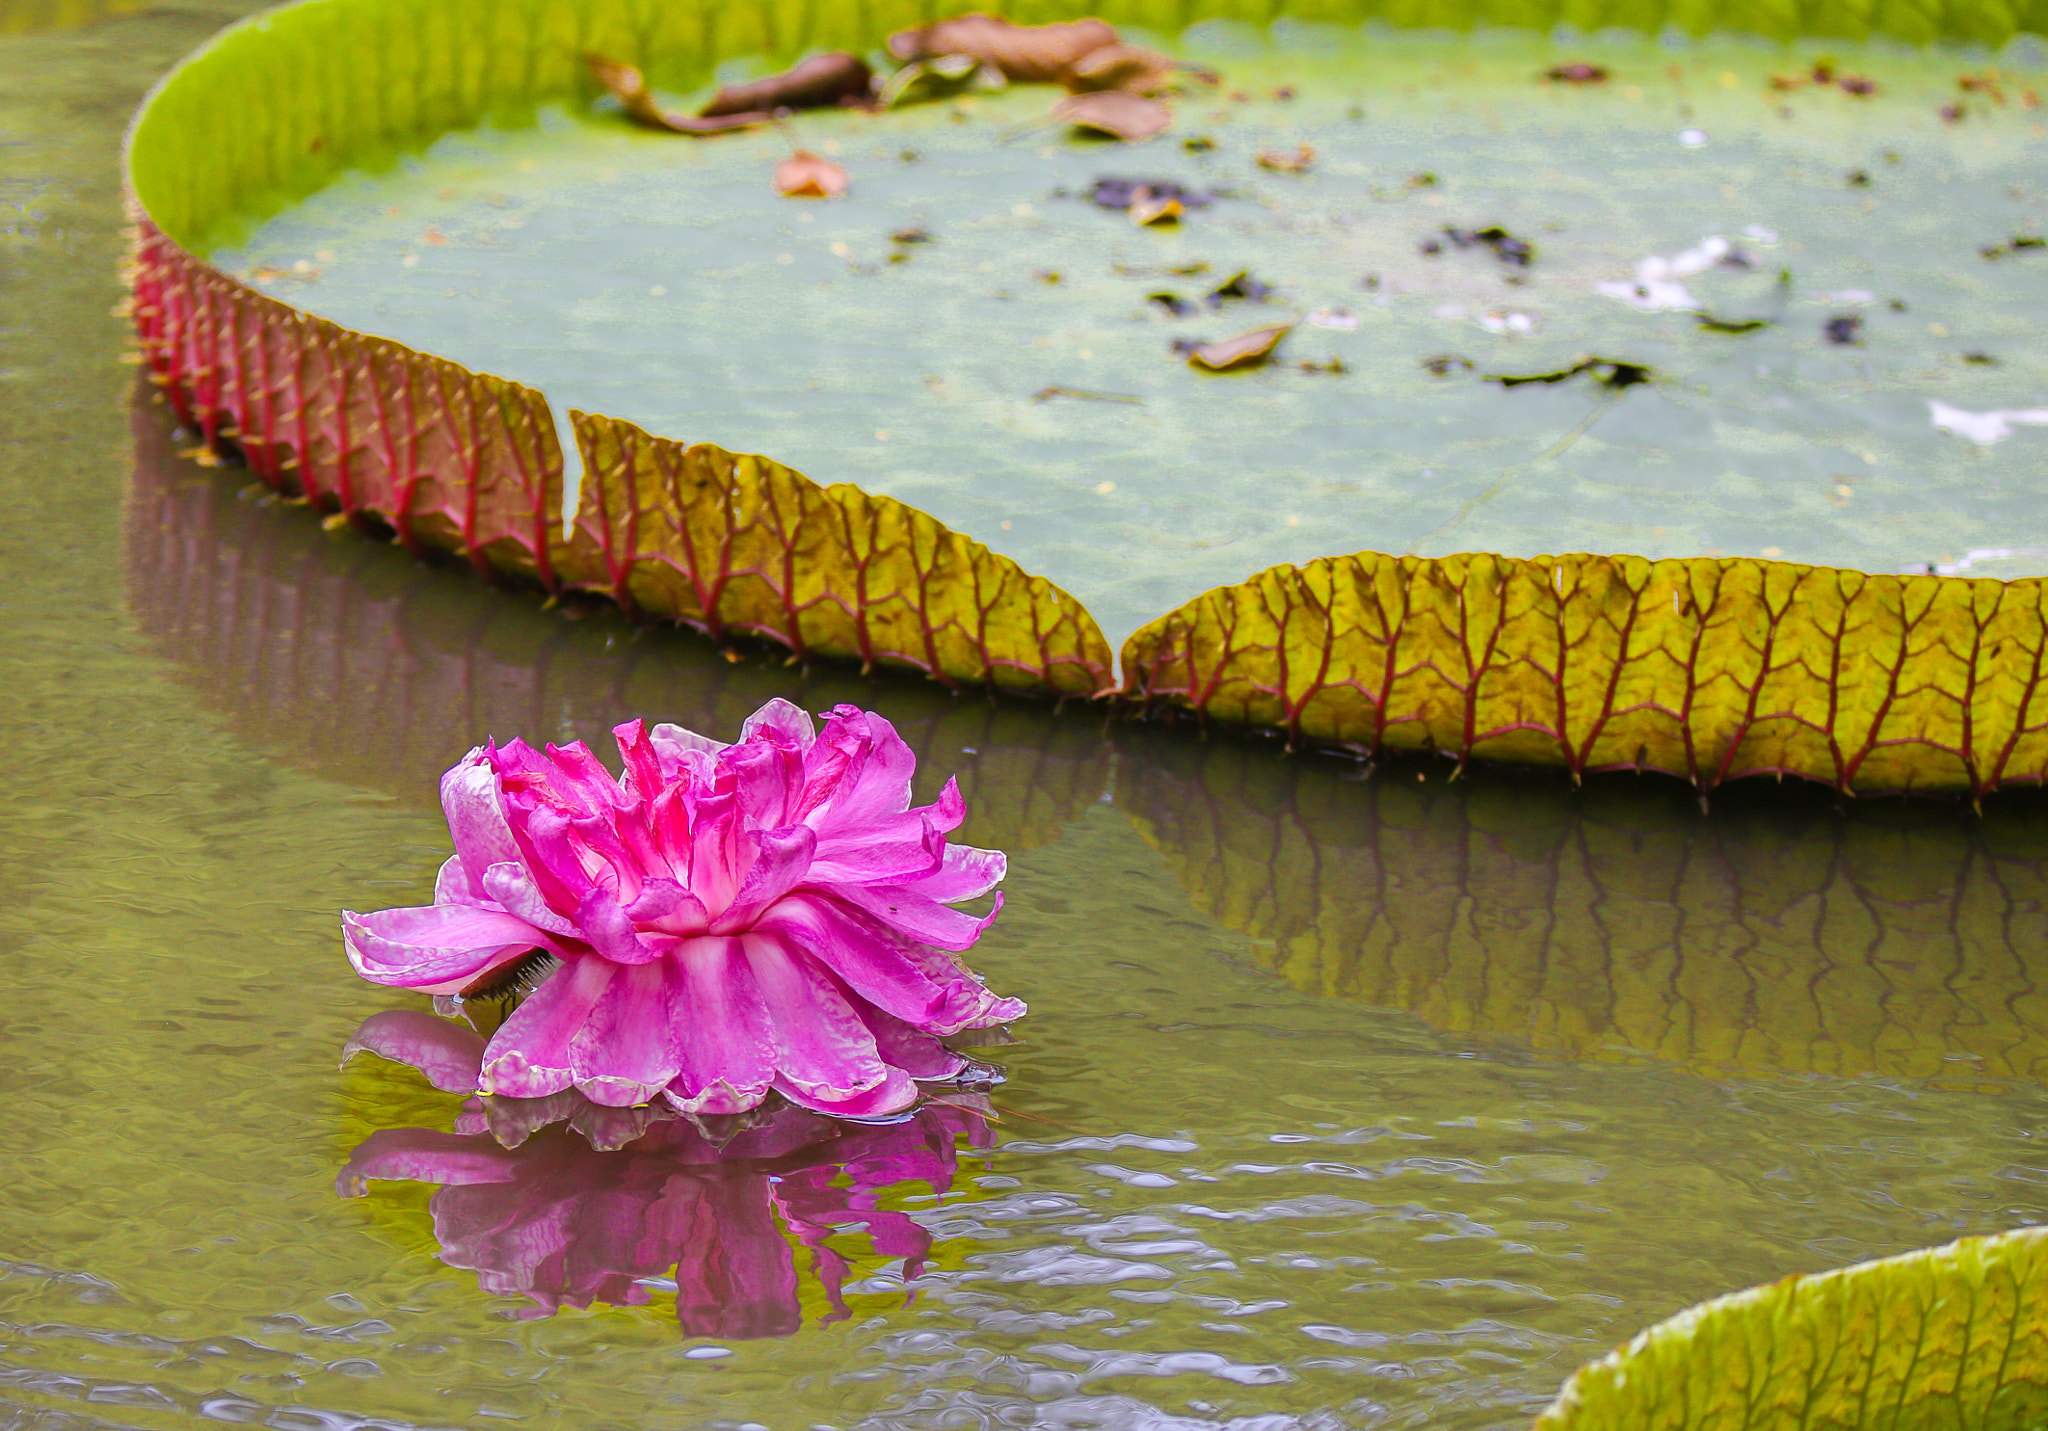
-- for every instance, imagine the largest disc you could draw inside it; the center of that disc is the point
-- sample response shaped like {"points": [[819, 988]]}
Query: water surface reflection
{"points": [[568, 1203], [1781, 933]]}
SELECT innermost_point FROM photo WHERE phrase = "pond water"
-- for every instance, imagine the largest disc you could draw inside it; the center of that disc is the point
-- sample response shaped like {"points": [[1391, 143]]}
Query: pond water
{"points": [[1343, 1102], [661, 279]]}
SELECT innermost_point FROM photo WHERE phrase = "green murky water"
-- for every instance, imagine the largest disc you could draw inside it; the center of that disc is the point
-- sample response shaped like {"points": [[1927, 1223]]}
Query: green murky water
{"points": [[661, 279], [1343, 1102]]}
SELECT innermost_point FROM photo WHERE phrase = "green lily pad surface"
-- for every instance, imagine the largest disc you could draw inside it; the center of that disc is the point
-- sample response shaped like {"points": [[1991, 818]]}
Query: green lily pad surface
{"points": [[663, 280]]}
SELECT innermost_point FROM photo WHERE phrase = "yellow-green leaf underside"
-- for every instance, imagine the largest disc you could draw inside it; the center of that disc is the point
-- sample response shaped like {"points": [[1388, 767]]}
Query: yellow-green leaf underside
{"points": [[742, 543], [1952, 1337], [1708, 668]]}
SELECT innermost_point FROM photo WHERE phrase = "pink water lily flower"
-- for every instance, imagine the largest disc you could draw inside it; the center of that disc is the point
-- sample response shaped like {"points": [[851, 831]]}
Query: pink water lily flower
{"points": [[729, 920]]}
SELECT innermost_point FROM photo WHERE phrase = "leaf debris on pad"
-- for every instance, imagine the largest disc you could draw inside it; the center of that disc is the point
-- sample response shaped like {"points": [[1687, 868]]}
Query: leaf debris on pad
{"points": [[1112, 192], [1130, 68], [1440, 366], [1576, 72], [1517, 253], [1115, 112], [1173, 303], [1731, 325], [804, 175], [629, 87], [1239, 285], [826, 81], [1149, 209], [1298, 160], [1246, 350], [1608, 372], [1025, 54], [1084, 394]]}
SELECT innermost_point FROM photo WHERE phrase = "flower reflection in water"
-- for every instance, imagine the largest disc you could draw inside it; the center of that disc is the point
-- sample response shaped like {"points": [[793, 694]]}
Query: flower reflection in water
{"points": [[570, 1203]]}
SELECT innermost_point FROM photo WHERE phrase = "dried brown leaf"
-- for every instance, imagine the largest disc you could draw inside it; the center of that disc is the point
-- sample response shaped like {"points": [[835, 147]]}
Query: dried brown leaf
{"points": [[1125, 67], [820, 82], [1246, 350], [629, 87], [1149, 209], [1027, 54], [1116, 113], [1288, 161], [804, 175]]}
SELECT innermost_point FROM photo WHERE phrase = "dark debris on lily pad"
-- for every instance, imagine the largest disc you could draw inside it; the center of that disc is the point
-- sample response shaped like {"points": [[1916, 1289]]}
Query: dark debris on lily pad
{"points": [[1608, 372], [1117, 192]]}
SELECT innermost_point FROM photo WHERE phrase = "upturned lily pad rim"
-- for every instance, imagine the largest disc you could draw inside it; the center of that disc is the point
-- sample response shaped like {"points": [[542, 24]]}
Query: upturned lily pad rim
{"points": [[368, 80], [1949, 1336]]}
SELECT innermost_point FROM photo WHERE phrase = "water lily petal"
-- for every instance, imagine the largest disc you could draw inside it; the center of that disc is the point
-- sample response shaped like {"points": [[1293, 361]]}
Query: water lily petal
{"points": [[509, 884], [447, 1053], [723, 1037], [912, 916], [893, 1094], [476, 820], [876, 965], [437, 948], [909, 1048], [898, 852], [715, 850], [964, 873], [767, 776], [781, 859], [626, 1052], [859, 771], [534, 1053], [686, 757], [612, 932], [665, 905], [823, 1052], [779, 717]]}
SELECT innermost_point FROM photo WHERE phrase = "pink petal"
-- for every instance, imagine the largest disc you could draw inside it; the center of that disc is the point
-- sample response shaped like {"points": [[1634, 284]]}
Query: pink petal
{"points": [[898, 851], [666, 905], [447, 1053], [534, 1053], [781, 859], [723, 1038], [874, 768], [922, 986], [767, 777], [917, 918], [892, 1095], [911, 1049], [612, 933], [469, 798], [822, 1049], [780, 718], [686, 757], [511, 886], [437, 948], [715, 850], [626, 1052], [966, 873], [452, 884]]}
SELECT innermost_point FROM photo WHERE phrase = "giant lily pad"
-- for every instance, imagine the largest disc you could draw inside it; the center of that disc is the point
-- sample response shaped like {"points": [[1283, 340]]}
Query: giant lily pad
{"points": [[1954, 1336], [1714, 230]]}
